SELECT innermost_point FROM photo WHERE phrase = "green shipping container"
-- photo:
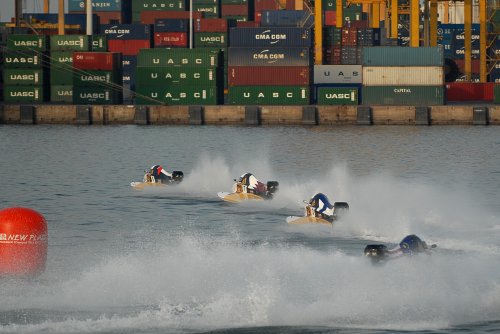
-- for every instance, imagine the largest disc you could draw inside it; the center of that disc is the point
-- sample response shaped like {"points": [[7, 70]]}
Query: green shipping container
{"points": [[23, 76], [23, 94], [177, 57], [269, 95], [496, 99], [191, 76], [337, 95], [403, 95], [209, 11], [27, 42], [69, 43], [61, 94], [23, 59], [61, 68], [164, 5], [96, 95], [96, 79], [99, 43], [210, 39], [402, 56], [178, 95]]}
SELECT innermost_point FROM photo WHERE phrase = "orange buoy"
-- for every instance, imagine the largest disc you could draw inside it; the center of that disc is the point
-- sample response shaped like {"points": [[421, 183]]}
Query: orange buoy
{"points": [[23, 242]]}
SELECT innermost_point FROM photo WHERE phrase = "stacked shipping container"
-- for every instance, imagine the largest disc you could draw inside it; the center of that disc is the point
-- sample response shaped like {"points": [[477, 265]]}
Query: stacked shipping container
{"points": [[25, 72], [178, 76], [108, 11], [403, 76], [269, 65]]}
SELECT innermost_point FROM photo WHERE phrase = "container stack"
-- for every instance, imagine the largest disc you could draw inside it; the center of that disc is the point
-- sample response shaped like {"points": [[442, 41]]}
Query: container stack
{"points": [[238, 10], [269, 66], [209, 9], [403, 76], [61, 65], [97, 78], [178, 77], [262, 5], [351, 13], [337, 84], [25, 72], [147, 11], [171, 33], [108, 11]]}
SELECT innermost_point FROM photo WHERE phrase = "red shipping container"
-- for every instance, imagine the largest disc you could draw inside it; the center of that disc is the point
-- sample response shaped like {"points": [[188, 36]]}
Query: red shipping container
{"points": [[461, 65], [349, 36], [330, 18], [129, 47], [260, 5], [268, 76], [466, 91], [229, 10], [98, 61], [149, 17], [165, 39], [210, 25]]}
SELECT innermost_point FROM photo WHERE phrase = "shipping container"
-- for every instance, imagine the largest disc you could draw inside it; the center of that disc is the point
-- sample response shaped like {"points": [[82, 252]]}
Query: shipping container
{"points": [[126, 31], [403, 56], [27, 42], [96, 95], [99, 43], [270, 36], [61, 68], [233, 2], [286, 18], [121, 17], [178, 57], [171, 25], [129, 47], [99, 61], [100, 5], [467, 91], [61, 93], [190, 76], [269, 95], [337, 96], [269, 76], [171, 39], [210, 25], [149, 17], [276, 56], [208, 10], [178, 95], [90, 78], [496, 91], [210, 39], [325, 74], [24, 59], [403, 75], [234, 10], [158, 5], [69, 43], [24, 77], [403, 95], [129, 64], [23, 94]]}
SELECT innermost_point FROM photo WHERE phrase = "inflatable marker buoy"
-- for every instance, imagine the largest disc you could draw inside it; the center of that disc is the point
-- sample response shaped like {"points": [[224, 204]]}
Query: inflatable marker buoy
{"points": [[23, 242]]}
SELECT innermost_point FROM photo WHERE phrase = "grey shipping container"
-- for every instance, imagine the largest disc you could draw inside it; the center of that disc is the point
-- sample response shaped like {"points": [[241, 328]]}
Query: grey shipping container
{"points": [[403, 95], [325, 74], [270, 36], [275, 56], [402, 56]]}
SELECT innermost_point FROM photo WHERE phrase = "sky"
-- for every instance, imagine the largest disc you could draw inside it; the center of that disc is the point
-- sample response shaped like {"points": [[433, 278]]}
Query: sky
{"points": [[29, 6]]}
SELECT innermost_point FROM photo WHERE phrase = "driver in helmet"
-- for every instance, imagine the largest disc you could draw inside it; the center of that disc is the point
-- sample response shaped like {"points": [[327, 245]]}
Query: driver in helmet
{"points": [[252, 185], [160, 174], [322, 206], [410, 245]]}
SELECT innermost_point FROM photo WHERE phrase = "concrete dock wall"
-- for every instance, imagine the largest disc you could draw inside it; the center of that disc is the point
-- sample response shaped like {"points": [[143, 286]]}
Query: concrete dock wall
{"points": [[251, 115]]}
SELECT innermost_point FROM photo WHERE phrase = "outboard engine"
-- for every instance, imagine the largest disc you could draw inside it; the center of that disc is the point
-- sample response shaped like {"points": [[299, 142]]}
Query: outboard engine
{"points": [[272, 187], [340, 209], [177, 176], [376, 253]]}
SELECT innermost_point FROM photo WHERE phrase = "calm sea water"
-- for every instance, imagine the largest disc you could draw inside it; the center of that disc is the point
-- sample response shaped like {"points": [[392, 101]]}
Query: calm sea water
{"points": [[179, 260]]}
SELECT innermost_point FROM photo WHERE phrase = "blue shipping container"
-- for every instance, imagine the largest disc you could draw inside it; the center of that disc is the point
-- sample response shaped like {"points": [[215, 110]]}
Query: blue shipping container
{"points": [[277, 56], [270, 36], [286, 18], [126, 31], [129, 64]]}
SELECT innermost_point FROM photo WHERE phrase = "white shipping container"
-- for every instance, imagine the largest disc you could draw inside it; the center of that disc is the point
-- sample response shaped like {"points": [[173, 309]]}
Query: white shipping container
{"points": [[403, 75], [334, 74]]}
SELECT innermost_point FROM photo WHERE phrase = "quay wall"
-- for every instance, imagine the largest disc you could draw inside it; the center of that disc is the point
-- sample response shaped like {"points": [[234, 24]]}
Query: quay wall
{"points": [[480, 114]]}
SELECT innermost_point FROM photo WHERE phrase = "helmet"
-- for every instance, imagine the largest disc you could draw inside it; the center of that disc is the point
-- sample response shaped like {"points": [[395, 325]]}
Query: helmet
{"points": [[412, 244]]}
